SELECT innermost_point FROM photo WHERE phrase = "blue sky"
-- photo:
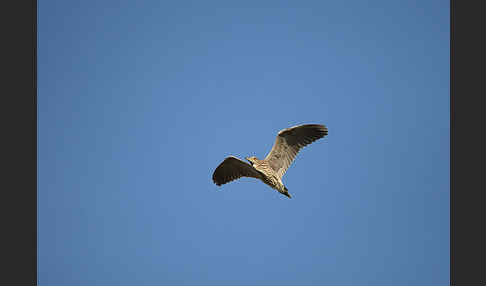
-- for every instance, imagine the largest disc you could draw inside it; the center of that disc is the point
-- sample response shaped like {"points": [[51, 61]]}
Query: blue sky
{"points": [[139, 101]]}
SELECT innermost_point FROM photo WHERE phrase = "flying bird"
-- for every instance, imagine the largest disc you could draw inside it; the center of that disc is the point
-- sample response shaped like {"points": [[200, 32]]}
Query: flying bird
{"points": [[271, 169]]}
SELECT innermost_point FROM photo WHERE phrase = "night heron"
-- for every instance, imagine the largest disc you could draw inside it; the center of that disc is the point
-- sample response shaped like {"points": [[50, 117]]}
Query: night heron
{"points": [[271, 169]]}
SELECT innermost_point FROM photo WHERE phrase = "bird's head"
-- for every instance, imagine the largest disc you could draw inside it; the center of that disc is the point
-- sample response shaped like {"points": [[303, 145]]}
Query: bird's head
{"points": [[251, 159]]}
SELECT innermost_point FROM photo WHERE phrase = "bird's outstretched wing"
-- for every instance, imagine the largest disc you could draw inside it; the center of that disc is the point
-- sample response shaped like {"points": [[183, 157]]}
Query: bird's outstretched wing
{"points": [[231, 169], [289, 142]]}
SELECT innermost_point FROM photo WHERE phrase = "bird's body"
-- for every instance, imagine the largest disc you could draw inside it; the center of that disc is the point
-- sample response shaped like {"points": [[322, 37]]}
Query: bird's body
{"points": [[271, 169], [269, 176]]}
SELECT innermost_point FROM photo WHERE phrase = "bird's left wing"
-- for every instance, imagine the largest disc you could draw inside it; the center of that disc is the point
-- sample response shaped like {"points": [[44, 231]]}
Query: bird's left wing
{"points": [[231, 169]]}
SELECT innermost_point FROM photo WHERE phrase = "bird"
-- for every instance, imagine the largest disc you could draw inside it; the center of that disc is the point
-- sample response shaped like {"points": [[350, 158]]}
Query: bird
{"points": [[270, 170]]}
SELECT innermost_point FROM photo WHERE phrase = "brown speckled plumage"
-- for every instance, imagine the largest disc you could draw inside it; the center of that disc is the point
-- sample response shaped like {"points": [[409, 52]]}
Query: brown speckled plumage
{"points": [[270, 170]]}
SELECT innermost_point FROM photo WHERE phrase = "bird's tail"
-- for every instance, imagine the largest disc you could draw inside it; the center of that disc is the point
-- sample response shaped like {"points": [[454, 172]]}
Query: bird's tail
{"points": [[287, 192]]}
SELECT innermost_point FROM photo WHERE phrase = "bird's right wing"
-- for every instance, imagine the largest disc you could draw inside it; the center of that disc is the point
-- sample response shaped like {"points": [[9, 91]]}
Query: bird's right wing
{"points": [[288, 143], [231, 169]]}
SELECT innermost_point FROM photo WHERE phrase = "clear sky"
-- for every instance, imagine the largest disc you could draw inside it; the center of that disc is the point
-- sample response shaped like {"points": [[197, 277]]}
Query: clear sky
{"points": [[139, 101]]}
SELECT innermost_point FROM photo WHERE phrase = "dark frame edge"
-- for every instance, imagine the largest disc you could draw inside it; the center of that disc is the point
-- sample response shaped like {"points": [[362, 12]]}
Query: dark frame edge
{"points": [[35, 135]]}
